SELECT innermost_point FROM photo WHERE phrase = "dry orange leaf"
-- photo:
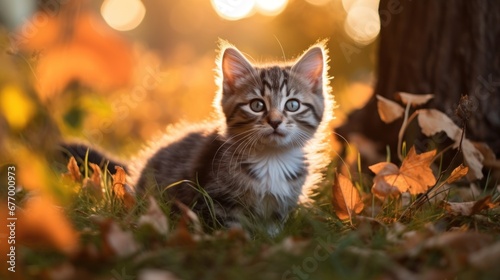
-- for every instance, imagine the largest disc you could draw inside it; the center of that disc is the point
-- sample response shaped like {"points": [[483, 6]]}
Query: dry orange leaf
{"points": [[44, 224], [457, 173], [389, 110], [346, 198], [414, 176], [433, 121], [73, 170], [469, 208], [120, 189], [415, 99]]}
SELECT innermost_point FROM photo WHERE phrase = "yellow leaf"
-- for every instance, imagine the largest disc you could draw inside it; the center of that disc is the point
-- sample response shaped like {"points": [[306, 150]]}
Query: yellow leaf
{"points": [[388, 110], [346, 198], [457, 173], [414, 176], [17, 108], [44, 224], [120, 189]]}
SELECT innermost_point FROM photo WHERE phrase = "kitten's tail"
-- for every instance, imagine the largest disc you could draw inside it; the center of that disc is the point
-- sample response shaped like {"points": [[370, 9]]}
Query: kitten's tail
{"points": [[94, 155]]}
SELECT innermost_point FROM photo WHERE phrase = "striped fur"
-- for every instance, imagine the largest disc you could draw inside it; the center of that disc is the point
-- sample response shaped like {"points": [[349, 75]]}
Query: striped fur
{"points": [[253, 161]]}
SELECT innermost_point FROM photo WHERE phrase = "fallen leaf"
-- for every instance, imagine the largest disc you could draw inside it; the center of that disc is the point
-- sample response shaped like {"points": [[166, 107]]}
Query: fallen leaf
{"points": [[414, 176], [388, 110], [73, 171], [432, 121], [182, 236], [291, 245], [93, 184], [154, 217], [190, 217], [486, 257], [120, 242], [415, 99], [120, 189], [381, 188], [42, 223], [346, 198], [457, 173], [156, 274], [457, 242], [469, 208], [473, 159]]}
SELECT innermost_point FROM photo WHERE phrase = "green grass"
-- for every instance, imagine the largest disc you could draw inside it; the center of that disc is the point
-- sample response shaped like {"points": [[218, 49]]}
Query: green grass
{"points": [[314, 244]]}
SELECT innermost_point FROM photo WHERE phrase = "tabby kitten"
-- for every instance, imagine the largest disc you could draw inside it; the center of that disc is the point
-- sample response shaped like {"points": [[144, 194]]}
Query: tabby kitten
{"points": [[254, 163]]}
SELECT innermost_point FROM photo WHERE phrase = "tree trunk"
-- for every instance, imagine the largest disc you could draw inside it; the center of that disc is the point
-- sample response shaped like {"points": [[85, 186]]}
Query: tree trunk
{"points": [[447, 48]]}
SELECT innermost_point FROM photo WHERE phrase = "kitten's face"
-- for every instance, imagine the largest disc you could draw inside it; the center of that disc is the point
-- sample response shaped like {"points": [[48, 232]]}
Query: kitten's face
{"points": [[276, 106]]}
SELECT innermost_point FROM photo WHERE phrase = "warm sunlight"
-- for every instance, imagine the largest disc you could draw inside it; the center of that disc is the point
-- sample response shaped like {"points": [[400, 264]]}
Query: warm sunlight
{"points": [[123, 15], [363, 22], [271, 7], [233, 9], [249, 139], [318, 2]]}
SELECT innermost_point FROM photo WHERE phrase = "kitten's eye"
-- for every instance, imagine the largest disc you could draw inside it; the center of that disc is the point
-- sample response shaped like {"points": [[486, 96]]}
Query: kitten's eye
{"points": [[292, 105], [257, 105]]}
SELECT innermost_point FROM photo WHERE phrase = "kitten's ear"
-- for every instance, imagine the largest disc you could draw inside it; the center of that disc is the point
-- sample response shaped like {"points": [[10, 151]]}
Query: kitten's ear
{"points": [[234, 66], [310, 65]]}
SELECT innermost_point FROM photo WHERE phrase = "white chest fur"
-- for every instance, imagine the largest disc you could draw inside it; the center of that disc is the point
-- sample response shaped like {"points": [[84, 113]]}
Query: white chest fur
{"points": [[274, 170]]}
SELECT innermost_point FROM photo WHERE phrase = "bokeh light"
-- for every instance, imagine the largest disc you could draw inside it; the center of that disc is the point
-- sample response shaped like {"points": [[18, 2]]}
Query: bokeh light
{"points": [[318, 2], [233, 9], [362, 23], [271, 7], [123, 15]]}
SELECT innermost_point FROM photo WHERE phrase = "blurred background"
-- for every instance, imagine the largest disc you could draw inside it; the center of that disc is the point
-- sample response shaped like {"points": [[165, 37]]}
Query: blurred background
{"points": [[116, 72]]}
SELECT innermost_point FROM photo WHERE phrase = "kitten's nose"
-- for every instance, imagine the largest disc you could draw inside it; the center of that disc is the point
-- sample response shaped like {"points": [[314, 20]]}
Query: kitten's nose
{"points": [[274, 123]]}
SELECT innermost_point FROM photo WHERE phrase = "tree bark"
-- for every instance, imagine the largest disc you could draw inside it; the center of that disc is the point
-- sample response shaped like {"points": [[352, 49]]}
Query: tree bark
{"points": [[447, 48]]}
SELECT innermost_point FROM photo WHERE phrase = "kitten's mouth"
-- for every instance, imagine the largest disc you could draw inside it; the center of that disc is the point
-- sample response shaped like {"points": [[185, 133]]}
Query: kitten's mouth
{"points": [[276, 133]]}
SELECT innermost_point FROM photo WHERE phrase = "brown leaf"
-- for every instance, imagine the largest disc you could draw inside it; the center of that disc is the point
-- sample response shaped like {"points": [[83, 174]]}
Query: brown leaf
{"points": [[469, 208], [346, 198], [486, 257], [414, 176], [120, 242], [388, 110], [120, 189], [190, 217], [154, 217], [73, 171], [182, 236], [473, 159], [457, 173], [93, 184], [415, 99], [156, 274], [433, 121], [462, 243]]}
